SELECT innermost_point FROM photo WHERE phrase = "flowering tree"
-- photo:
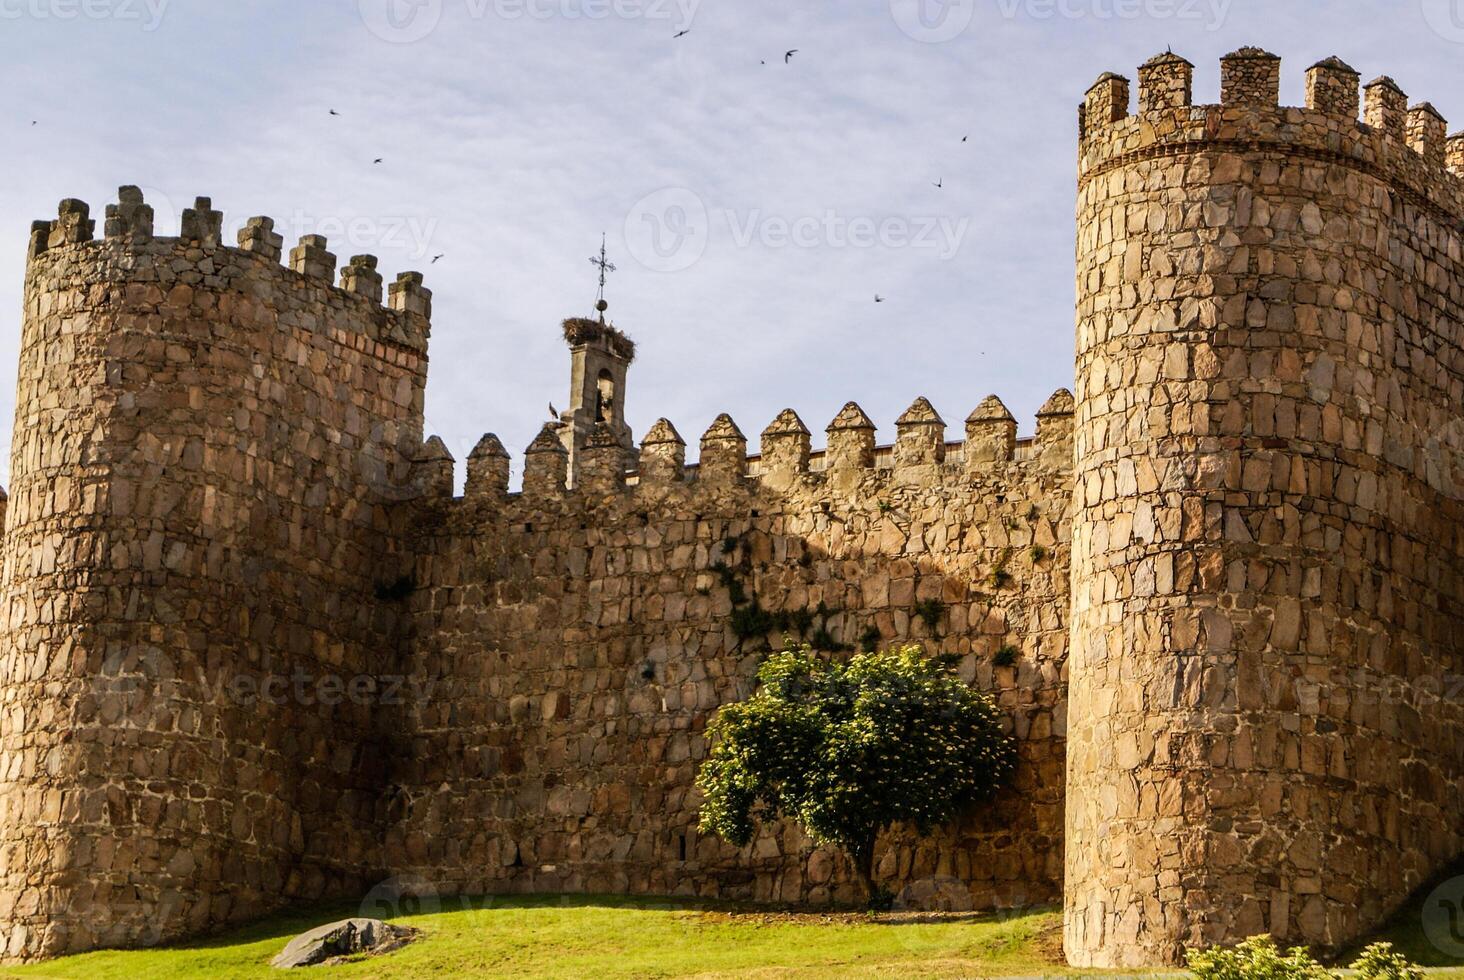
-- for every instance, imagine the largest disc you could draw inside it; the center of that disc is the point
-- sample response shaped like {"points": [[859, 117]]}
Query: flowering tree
{"points": [[849, 749]]}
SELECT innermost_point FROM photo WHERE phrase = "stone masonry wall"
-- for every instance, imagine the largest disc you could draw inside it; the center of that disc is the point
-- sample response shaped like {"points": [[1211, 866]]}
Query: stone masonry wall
{"points": [[202, 468], [1268, 562], [577, 645]]}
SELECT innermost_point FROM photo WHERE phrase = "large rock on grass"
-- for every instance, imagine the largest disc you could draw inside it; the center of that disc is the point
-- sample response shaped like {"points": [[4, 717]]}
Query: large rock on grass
{"points": [[349, 937]]}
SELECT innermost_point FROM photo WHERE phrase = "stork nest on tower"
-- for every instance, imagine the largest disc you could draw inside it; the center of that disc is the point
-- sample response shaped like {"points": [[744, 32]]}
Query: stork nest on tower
{"points": [[581, 330]]}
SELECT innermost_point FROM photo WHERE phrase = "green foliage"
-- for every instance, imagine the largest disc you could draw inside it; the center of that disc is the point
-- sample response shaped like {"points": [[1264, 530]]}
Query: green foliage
{"points": [[1038, 553], [849, 749], [1000, 578], [1006, 656], [795, 621], [1257, 958], [751, 621], [1381, 961], [931, 612], [731, 581], [869, 639]]}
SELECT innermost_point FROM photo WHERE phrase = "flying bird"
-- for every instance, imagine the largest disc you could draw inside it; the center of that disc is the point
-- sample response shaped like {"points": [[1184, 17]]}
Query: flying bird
{"points": [[964, 138], [436, 257], [789, 56], [334, 113], [939, 183], [377, 160], [878, 298], [553, 412], [682, 34]]}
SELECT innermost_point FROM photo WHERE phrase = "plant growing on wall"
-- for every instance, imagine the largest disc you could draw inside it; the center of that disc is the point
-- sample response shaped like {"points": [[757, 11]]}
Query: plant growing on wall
{"points": [[931, 612], [750, 621], [850, 749]]}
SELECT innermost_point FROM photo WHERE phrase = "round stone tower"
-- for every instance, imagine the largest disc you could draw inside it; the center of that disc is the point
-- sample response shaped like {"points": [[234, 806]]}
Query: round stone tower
{"points": [[1268, 564], [203, 475]]}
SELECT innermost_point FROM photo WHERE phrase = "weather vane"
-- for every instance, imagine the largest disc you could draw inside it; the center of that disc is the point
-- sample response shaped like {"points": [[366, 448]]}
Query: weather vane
{"points": [[605, 266]]}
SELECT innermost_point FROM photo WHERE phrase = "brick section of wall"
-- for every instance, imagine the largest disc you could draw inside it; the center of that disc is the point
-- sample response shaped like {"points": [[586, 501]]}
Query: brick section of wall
{"points": [[204, 455], [1268, 562], [576, 648]]}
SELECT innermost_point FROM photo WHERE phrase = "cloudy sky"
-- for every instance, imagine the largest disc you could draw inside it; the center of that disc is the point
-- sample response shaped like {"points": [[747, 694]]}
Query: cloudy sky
{"points": [[754, 205]]}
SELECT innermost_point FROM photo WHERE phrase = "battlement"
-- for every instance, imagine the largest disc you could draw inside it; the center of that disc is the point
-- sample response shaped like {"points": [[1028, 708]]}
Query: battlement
{"points": [[920, 454], [1408, 146], [401, 319]]}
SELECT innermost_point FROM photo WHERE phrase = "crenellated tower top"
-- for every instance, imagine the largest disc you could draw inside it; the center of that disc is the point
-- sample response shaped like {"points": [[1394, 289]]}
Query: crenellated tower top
{"points": [[1408, 146], [400, 320]]}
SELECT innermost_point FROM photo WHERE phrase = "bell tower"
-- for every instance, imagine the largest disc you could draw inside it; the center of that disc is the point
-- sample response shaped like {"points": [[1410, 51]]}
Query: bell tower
{"points": [[600, 358]]}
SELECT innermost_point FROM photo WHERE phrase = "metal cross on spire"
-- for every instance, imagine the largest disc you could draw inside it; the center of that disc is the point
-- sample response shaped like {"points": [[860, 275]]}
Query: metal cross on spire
{"points": [[605, 266]]}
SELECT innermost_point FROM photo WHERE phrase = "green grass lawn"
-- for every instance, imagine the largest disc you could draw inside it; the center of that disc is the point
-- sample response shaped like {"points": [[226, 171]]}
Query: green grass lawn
{"points": [[605, 938], [602, 938]]}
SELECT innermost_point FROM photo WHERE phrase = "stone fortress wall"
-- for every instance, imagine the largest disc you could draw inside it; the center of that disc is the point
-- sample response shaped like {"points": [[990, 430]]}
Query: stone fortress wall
{"points": [[1244, 527], [1268, 555], [578, 643]]}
